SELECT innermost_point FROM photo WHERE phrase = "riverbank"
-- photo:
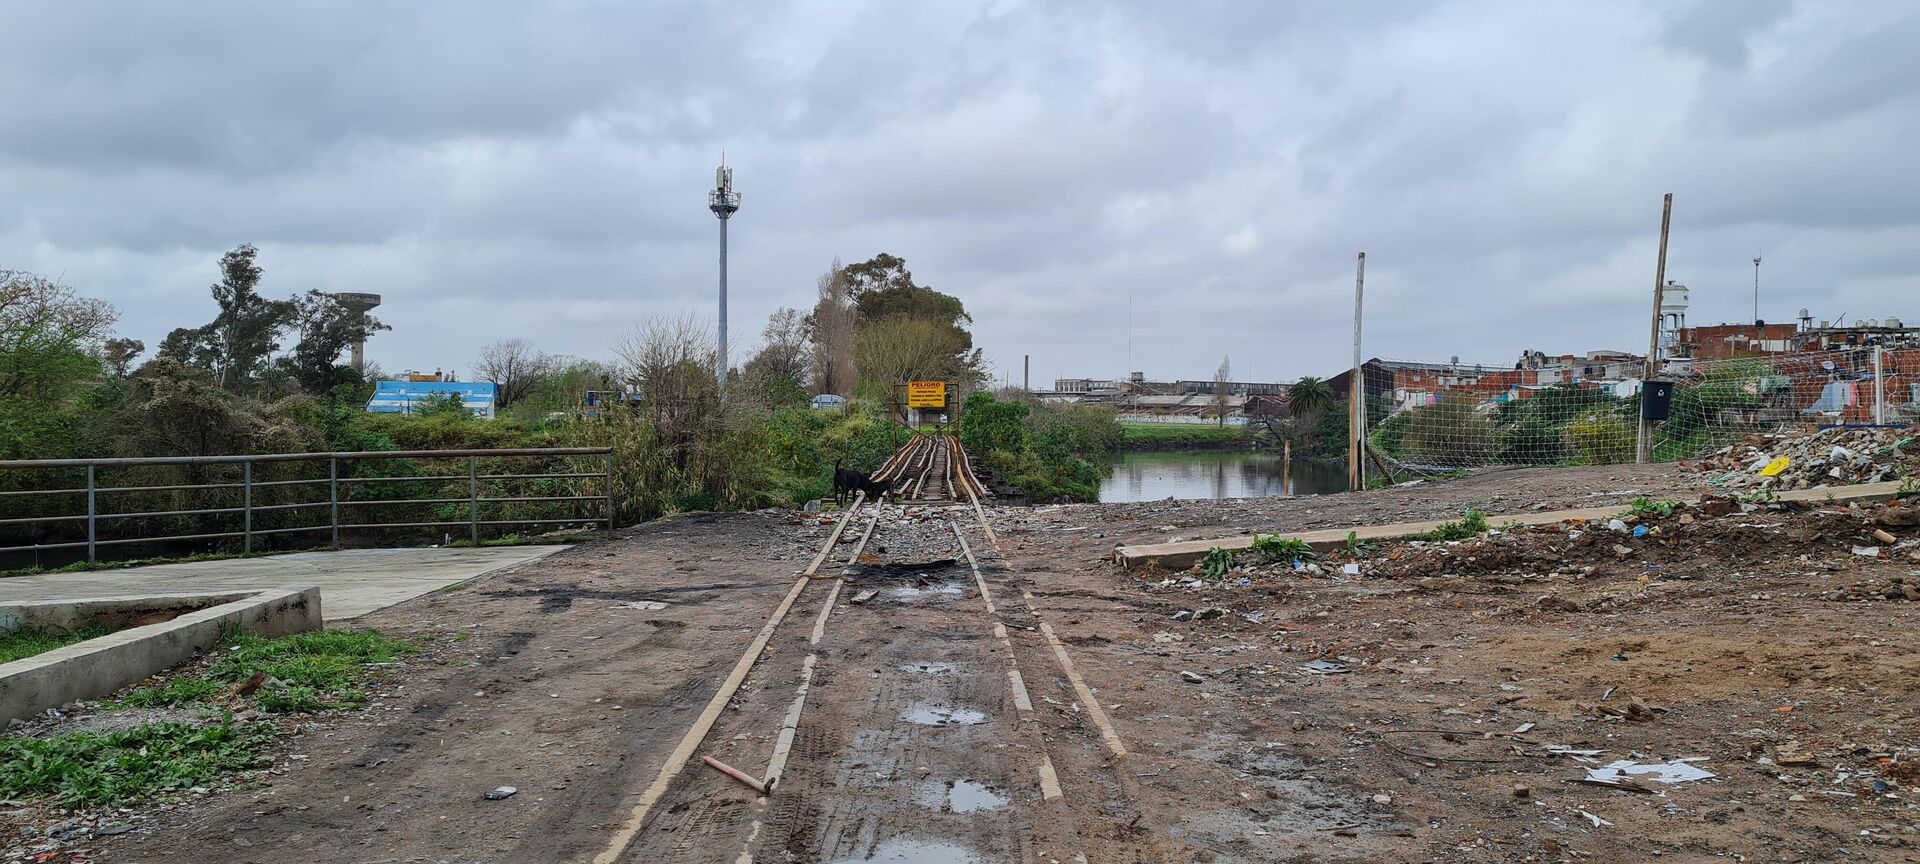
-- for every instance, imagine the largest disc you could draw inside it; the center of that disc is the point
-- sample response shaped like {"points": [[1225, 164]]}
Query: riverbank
{"points": [[1187, 436]]}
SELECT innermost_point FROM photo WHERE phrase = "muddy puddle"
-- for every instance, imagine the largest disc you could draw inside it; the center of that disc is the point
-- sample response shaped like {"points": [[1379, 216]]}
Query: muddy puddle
{"points": [[927, 714], [959, 796], [906, 850], [931, 668], [930, 592]]}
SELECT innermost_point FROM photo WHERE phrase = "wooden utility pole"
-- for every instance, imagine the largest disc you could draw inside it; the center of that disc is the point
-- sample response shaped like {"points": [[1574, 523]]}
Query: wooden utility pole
{"points": [[1357, 389], [1644, 449], [1286, 466]]}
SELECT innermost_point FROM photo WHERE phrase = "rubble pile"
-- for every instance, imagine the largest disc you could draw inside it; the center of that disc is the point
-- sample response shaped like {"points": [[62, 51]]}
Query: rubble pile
{"points": [[1897, 588], [1829, 457]]}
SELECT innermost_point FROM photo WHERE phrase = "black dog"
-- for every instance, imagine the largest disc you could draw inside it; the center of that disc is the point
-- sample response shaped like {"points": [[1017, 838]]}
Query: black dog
{"points": [[847, 481]]}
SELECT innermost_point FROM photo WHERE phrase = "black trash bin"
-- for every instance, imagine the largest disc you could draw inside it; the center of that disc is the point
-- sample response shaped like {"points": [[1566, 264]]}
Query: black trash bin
{"points": [[1656, 400]]}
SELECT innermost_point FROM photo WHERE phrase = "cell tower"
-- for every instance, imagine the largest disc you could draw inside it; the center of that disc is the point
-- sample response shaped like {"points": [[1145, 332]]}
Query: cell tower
{"points": [[358, 304], [723, 201]]}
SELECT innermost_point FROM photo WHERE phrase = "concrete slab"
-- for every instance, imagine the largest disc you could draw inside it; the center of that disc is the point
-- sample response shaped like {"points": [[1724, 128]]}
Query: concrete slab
{"points": [[97, 667], [353, 581], [1177, 556]]}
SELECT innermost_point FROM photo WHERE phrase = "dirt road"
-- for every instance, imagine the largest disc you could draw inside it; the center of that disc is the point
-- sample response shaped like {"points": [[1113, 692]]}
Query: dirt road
{"points": [[1453, 671]]}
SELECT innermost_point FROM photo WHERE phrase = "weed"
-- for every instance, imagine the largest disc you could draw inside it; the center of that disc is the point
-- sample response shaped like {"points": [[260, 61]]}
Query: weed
{"points": [[1357, 547], [1289, 551], [1644, 507], [1473, 523], [1216, 564], [179, 691], [315, 671], [28, 641], [92, 769], [1759, 496], [1909, 488]]}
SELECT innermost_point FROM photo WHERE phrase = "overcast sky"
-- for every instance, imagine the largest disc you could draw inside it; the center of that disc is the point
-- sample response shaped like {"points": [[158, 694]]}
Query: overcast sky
{"points": [[1205, 171]]}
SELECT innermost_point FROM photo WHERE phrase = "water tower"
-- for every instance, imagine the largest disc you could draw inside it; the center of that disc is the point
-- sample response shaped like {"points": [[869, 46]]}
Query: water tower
{"points": [[1673, 318], [358, 303]]}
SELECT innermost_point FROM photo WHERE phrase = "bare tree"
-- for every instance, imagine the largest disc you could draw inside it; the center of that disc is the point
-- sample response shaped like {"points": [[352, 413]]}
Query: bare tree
{"points": [[514, 366], [787, 351], [672, 361], [1222, 391], [832, 323]]}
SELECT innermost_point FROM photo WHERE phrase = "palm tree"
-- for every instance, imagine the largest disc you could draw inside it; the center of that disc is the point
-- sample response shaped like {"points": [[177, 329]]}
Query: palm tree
{"points": [[1308, 397]]}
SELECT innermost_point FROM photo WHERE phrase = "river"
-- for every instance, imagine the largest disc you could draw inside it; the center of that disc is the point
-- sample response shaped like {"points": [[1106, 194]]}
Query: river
{"points": [[1151, 476]]}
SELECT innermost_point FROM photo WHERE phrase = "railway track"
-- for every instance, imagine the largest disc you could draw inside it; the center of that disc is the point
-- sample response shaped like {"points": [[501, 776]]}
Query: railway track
{"points": [[866, 713], [932, 469]]}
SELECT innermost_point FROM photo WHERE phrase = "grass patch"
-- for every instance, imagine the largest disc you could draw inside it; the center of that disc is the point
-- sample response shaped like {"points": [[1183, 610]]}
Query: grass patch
{"points": [[305, 673], [28, 641], [535, 540], [1179, 434], [92, 769]]}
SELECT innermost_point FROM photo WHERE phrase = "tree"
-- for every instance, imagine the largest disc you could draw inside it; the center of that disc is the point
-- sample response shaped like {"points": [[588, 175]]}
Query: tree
{"points": [[236, 345], [119, 355], [515, 367], [672, 360], [785, 351], [1222, 393], [48, 336], [882, 272], [1308, 397], [776, 375], [327, 329], [831, 326], [884, 298]]}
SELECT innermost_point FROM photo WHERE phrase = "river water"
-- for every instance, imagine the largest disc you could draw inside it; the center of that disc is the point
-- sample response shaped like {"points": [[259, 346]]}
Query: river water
{"points": [[1215, 474]]}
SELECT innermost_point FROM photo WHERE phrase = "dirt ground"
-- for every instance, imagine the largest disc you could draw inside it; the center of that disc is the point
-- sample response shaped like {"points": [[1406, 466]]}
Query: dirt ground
{"points": [[1465, 690]]}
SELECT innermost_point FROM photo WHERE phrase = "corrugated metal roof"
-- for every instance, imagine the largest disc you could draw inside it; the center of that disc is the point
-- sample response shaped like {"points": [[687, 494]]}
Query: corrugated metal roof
{"points": [[402, 397]]}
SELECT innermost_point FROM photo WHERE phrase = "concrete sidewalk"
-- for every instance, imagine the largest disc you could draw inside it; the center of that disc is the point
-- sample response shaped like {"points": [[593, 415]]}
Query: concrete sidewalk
{"points": [[353, 582]]}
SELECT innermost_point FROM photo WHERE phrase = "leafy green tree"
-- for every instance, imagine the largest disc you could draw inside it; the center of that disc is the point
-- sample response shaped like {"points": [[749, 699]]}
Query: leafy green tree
{"points": [[48, 366], [235, 346], [905, 331], [326, 329], [988, 424]]}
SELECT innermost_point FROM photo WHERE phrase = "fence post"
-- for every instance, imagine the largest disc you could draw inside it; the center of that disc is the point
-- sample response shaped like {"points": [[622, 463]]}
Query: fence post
{"points": [[92, 509], [473, 498], [609, 490], [333, 498], [1879, 388], [246, 503]]}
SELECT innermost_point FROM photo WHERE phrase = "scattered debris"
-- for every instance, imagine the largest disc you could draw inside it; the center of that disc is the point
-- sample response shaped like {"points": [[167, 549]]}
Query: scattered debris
{"points": [[500, 793], [1623, 773], [1192, 677], [1325, 667]]}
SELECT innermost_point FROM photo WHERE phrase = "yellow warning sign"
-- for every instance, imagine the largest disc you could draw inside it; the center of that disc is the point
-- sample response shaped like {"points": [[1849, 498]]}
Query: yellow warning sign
{"points": [[1774, 468], [926, 394]]}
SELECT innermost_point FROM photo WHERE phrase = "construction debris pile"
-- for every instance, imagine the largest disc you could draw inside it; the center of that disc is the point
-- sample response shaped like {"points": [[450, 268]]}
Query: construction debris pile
{"points": [[1830, 457]]}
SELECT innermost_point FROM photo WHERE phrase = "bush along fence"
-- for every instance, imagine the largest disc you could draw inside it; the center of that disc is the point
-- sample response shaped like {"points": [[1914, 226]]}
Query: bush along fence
{"points": [[1455, 415], [90, 509]]}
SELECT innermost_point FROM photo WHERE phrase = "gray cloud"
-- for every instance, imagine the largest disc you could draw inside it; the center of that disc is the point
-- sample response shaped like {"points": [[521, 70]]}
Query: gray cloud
{"points": [[539, 170]]}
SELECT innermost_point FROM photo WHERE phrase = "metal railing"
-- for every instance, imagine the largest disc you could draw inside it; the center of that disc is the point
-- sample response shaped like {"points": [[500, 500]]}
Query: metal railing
{"points": [[94, 492]]}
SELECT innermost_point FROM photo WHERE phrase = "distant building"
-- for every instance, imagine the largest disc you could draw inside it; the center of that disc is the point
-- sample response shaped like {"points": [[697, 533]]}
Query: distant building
{"points": [[1720, 341], [405, 397]]}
